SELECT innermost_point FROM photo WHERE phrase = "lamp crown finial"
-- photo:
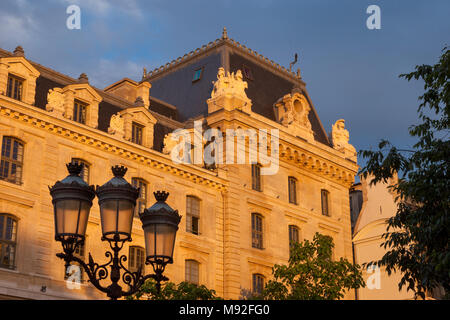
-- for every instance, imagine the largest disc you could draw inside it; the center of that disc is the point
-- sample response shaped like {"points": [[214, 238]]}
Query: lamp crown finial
{"points": [[74, 168], [119, 171], [161, 195]]}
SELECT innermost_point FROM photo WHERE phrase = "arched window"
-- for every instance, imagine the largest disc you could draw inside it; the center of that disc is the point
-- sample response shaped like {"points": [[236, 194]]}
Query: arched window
{"points": [[257, 283], [192, 271], [8, 241], [136, 258], [292, 182], [257, 231], [192, 214], [86, 169], [325, 195], [256, 177], [11, 160], [141, 202]]}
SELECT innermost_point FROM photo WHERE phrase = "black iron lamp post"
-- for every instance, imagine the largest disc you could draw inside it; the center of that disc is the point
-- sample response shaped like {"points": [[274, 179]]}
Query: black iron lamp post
{"points": [[72, 200]]}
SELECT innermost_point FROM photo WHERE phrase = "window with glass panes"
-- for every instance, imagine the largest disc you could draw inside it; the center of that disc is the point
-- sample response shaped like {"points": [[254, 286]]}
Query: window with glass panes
{"points": [[257, 231], [192, 271], [136, 258], [257, 283], [79, 112], [256, 177], [294, 235], [136, 133], [11, 162], [292, 190], [85, 171], [325, 202], [8, 241], [141, 202], [197, 74], [14, 87], [192, 214]]}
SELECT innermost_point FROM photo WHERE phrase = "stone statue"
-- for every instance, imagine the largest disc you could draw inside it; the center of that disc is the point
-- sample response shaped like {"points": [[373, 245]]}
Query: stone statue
{"points": [[232, 84], [340, 138], [116, 126], [339, 135], [169, 143], [55, 101]]}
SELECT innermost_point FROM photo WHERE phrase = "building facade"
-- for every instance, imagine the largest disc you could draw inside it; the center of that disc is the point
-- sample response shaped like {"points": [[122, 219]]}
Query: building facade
{"points": [[238, 218]]}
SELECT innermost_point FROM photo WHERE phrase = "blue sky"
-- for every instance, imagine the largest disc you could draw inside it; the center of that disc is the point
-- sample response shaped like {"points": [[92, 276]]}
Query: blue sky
{"points": [[351, 72]]}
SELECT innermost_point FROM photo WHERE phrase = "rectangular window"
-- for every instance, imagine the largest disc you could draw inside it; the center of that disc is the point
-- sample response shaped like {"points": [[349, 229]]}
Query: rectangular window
{"points": [[192, 271], [8, 238], [293, 235], [192, 214], [11, 160], [292, 190], [79, 112], [137, 133], [325, 202], [197, 74], [141, 202], [256, 177], [258, 284], [137, 259], [257, 231], [15, 87]]}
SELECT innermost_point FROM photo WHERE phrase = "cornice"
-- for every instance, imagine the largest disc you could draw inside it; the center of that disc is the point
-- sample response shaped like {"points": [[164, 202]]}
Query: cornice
{"points": [[95, 138], [315, 157]]}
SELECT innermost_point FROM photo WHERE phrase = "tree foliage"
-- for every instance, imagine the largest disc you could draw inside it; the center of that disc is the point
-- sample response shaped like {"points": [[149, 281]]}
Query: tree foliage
{"points": [[171, 291], [312, 274], [418, 235]]}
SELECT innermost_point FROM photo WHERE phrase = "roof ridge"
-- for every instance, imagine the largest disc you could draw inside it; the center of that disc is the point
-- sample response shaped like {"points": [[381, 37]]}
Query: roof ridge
{"points": [[212, 44]]}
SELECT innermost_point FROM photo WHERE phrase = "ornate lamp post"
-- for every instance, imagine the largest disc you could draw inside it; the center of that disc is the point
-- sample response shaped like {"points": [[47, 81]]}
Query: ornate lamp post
{"points": [[72, 200]]}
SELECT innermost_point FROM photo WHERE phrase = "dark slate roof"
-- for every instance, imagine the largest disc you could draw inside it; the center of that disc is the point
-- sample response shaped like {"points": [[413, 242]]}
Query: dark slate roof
{"points": [[173, 82]]}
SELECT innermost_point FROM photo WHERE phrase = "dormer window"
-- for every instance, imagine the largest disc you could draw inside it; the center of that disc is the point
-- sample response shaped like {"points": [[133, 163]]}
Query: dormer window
{"points": [[79, 112], [137, 133], [15, 87], [197, 74]]}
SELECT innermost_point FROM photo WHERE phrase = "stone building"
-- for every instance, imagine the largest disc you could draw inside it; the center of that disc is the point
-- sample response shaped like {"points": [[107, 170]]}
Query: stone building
{"points": [[238, 219]]}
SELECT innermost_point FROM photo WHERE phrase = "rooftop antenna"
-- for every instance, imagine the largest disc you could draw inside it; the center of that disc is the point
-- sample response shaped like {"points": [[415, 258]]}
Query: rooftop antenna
{"points": [[293, 62]]}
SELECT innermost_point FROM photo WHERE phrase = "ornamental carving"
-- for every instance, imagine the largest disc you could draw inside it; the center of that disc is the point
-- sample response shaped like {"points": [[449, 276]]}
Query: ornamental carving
{"points": [[55, 101], [292, 111], [232, 84], [340, 138], [229, 92], [116, 126]]}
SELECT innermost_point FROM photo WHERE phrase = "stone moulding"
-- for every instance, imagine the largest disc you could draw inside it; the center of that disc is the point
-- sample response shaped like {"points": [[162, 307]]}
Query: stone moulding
{"points": [[110, 147]]}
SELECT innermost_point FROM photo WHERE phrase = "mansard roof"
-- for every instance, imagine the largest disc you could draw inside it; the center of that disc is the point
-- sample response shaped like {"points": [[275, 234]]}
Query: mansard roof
{"points": [[172, 82]]}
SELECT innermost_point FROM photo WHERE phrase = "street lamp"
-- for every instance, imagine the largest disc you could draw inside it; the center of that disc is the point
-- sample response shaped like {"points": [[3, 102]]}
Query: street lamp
{"points": [[72, 200]]}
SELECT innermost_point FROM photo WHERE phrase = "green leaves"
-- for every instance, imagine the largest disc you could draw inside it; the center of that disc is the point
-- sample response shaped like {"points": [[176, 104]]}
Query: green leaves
{"points": [[312, 274], [170, 291], [418, 236]]}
